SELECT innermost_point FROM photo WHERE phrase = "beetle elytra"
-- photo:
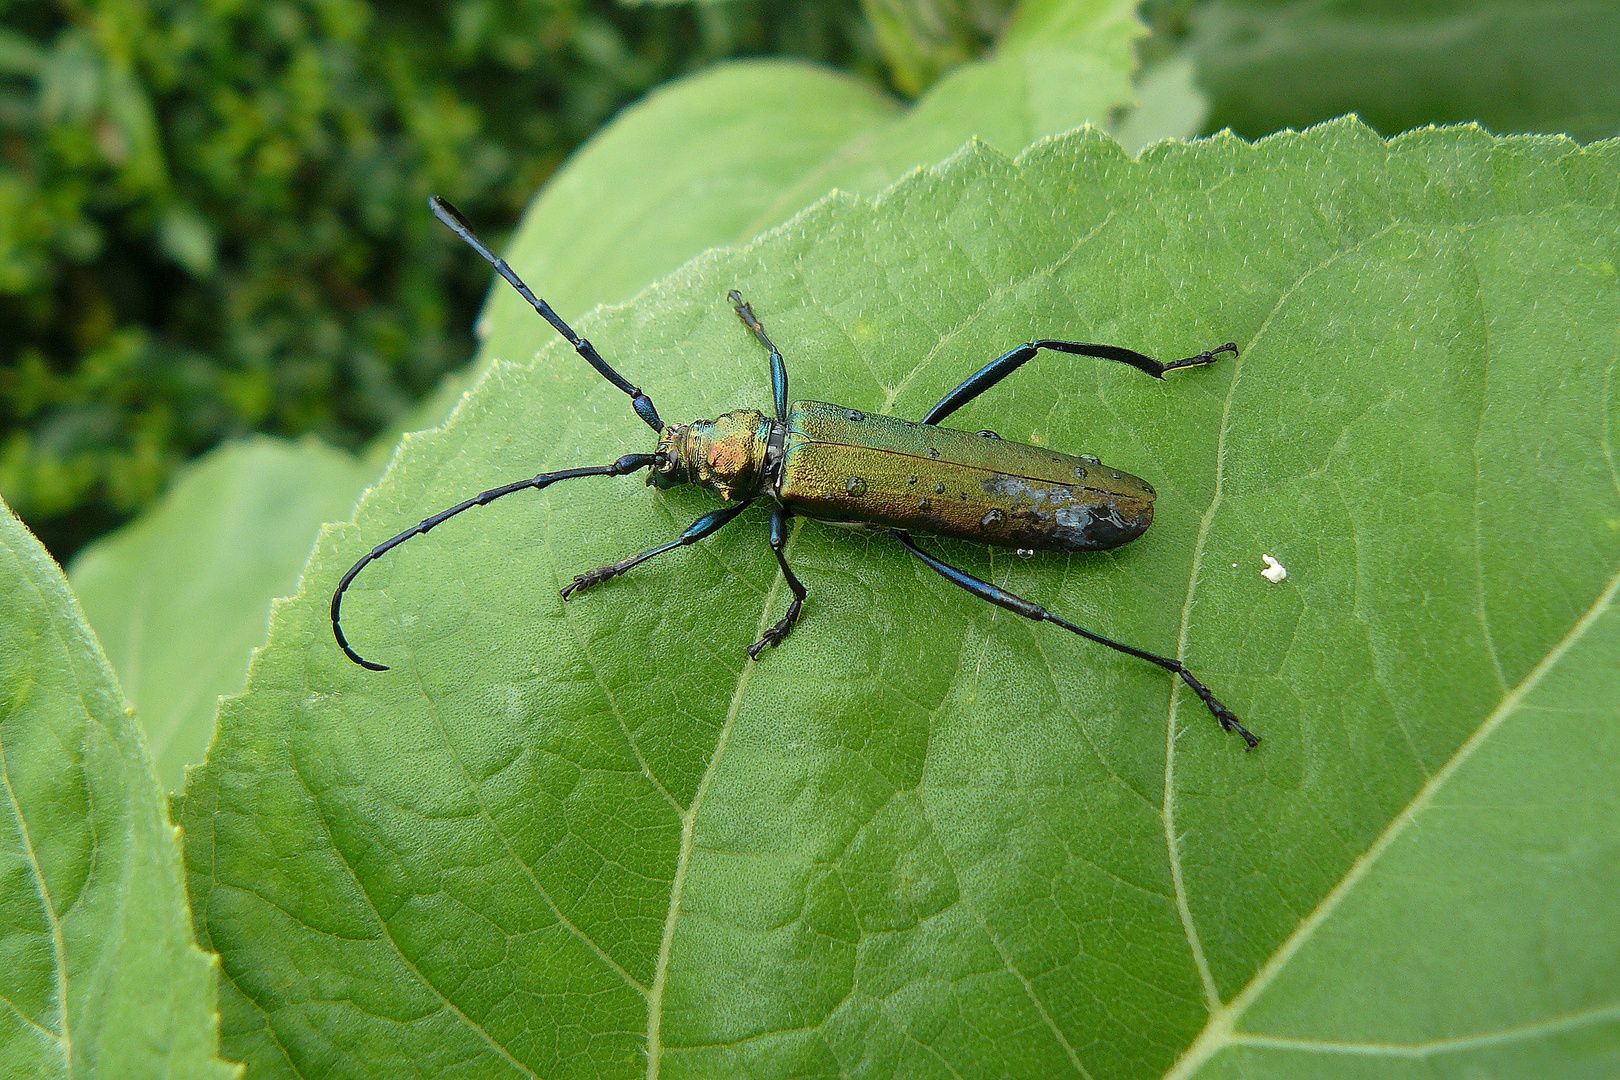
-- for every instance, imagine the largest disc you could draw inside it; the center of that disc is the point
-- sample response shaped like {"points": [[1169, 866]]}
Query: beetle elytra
{"points": [[845, 466]]}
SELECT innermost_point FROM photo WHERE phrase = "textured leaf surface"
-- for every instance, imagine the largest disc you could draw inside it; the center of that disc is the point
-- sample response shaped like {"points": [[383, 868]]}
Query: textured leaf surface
{"points": [[98, 972], [182, 597], [1511, 65], [928, 838]]}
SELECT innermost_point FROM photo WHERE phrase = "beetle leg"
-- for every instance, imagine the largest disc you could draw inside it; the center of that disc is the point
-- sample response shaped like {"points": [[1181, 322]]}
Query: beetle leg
{"points": [[703, 526], [745, 312], [773, 637], [1001, 367], [1018, 605]]}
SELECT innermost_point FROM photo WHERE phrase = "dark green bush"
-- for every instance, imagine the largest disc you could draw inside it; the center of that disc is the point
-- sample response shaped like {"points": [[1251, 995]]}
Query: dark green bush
{"points": [[211, 211]]}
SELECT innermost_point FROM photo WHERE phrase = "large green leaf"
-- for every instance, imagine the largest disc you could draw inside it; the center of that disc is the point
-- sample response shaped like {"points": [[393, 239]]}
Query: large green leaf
{"points": [[926, 837], [182, 596], [99, 976], [1511, 65]]}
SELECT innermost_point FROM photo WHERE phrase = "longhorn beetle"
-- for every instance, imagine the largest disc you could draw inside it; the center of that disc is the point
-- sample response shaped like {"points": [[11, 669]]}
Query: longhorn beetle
{"points": [[848, 467]]}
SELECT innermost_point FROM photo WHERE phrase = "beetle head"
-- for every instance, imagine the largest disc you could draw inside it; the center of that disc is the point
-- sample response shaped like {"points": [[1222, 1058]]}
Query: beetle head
{"points": [[725, 455]]}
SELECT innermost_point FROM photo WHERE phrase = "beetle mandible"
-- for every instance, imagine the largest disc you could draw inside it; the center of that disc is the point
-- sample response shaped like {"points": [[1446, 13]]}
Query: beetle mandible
{"points": [[848, 467]]}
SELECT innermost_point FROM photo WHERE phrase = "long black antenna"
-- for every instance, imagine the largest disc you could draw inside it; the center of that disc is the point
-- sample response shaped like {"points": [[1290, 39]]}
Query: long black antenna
{"points": [[627, 464], [643, 404]]}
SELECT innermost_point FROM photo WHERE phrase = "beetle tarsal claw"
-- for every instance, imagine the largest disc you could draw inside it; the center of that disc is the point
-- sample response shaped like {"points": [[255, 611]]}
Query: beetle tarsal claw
{"points": [[1230, 724], [1208, 356], [1227, 718], [773, 637], [1250, 738], [590, 578]]}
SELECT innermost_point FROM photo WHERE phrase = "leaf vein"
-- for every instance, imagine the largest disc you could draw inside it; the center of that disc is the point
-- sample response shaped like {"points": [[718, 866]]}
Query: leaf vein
{"points": [[1603, 416], [1481, 610], [1357, 612], [388, 935], [269, 1025], [1432, 1047], [1006, 956], [505, 841], [611, 698], [1172, 842], [52, 917], [1222, 1027], [655, 993]]}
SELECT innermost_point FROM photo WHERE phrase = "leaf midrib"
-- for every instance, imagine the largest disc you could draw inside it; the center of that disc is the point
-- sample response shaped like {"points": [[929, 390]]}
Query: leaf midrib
{"points": [[1206, 976], [683, 859], [52, 916]]}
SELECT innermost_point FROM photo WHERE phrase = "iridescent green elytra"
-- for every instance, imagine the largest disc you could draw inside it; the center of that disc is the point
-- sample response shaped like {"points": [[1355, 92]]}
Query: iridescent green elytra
{"points": [[845, 466]]}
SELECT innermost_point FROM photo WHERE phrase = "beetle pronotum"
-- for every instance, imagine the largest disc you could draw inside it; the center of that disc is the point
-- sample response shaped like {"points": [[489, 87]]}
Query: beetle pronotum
{"points": [[845, 466]]}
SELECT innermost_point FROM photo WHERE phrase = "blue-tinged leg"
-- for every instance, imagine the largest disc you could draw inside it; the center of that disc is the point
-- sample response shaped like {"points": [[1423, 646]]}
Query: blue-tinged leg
{"points": [[745, 312], [1000, 368], [773, 637], [703, 526], [1029, 610]]}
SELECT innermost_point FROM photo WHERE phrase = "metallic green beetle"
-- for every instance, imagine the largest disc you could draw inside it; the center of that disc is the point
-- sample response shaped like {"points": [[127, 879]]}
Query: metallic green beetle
{"points": [[877, 472]]}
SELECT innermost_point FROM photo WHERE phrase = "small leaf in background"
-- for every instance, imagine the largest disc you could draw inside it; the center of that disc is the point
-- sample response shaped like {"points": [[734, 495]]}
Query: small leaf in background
{"points": [[698, 163], [187, 239], [98, 972], [182, 596], [1060, 64], [923, 39], [926, 837], [721, 156], [1169, 106], [1510, 65]]}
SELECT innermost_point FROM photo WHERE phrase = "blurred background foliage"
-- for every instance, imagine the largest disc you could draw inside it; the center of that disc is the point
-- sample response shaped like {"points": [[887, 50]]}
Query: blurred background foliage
{"points": [[211, 211]]}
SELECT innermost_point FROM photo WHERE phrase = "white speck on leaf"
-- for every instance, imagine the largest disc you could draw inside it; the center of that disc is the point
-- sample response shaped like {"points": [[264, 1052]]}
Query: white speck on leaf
{"points": [[1274, 571]]}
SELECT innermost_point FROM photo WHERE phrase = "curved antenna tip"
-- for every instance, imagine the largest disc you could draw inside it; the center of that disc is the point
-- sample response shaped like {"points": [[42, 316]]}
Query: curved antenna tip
{"points": [[348, 650], [445, 212]]}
